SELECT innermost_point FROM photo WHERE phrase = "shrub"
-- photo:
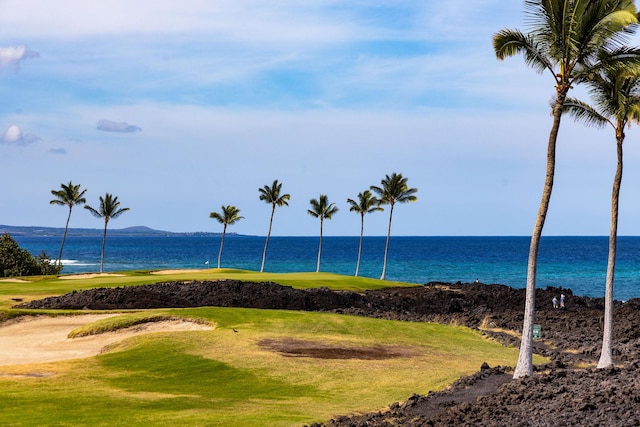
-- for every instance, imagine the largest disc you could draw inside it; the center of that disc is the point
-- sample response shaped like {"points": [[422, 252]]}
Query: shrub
{"points": [[15, 261]]}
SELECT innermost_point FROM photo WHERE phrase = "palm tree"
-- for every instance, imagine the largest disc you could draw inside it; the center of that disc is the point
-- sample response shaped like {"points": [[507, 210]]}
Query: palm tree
{"points": [[321, 208], [394, 189], [571, 39], [367, 203], [109, 209], [68, 195], [272, 195], [229, 215], [616, 96]]}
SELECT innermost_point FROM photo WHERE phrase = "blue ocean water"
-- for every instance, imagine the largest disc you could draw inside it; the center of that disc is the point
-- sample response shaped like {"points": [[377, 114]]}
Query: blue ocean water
{"points": [[578, 263]]}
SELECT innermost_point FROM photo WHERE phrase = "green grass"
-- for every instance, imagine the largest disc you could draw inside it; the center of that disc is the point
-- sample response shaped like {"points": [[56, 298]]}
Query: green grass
{"points": [[226, 378]]}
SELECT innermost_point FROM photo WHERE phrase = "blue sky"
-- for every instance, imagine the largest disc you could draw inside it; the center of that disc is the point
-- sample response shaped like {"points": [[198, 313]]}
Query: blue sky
{"points": [[180, 107]]}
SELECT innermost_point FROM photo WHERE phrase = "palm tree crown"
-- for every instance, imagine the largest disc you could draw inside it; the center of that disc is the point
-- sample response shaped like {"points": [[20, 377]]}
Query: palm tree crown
{"points": [[321, 208], [109, 209], [367, 203], [228, 216], [272, 195], [573, 40], [394, 190], [69, 195]]}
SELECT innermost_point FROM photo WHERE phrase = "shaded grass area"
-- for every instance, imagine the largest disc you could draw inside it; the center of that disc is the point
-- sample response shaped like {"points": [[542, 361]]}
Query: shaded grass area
{"points": [[223, 377]]}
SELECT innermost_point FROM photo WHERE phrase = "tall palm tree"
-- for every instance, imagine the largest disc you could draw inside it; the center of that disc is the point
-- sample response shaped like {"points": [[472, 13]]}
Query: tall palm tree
{"points": [[394, 190], [228, 216], [571, 39], [272, 195], [68, 195], [321, 208], [616, 98], [109, 209], [367, 203]]}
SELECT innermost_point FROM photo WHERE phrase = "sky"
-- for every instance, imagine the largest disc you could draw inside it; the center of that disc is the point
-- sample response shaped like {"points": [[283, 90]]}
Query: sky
{"points": [[181, 107]]}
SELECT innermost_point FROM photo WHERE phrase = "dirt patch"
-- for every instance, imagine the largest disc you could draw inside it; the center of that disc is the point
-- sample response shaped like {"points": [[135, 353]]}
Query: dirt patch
{"points": [[292, 347]]}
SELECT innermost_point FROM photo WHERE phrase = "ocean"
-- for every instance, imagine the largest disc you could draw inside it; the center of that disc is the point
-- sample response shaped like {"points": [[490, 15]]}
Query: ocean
{"points": [[578, 263]]}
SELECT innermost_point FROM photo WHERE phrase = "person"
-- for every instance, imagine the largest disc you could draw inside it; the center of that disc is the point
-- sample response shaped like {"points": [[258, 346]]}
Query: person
{"points": [[561, 300], [477, 280], [555, 302]]}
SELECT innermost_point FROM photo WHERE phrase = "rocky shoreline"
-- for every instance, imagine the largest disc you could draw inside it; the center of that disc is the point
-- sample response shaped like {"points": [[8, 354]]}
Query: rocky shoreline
{"points": [[567, 391]]}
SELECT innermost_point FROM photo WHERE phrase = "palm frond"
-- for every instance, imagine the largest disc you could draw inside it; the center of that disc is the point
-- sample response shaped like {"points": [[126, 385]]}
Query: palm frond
{"points": [[228, 215], [508, 43], [272, 194], [585, 113], [321, 208]]}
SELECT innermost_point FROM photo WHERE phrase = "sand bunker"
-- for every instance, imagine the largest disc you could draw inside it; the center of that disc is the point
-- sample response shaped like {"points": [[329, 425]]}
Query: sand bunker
{"points": [[44, 339], [89, 276], [184, 270]]}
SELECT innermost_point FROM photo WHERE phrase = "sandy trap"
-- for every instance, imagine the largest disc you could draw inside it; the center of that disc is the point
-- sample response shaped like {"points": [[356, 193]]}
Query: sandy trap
{"points": [[44, 339], [89, 276], [164, 272]]}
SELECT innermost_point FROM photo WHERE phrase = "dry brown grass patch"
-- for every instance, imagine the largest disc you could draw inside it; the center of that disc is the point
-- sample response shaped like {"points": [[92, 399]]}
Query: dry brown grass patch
{"points": [[292, 347]]}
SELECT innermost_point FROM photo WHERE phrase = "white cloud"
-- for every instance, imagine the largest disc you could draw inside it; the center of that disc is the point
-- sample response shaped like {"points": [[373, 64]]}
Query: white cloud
{"points": [[121, 127], [13, 55], [14, 135]]}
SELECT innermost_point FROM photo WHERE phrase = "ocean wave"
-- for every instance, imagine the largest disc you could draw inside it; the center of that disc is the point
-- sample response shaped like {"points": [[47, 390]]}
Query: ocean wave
{"points": [[76, 262]]}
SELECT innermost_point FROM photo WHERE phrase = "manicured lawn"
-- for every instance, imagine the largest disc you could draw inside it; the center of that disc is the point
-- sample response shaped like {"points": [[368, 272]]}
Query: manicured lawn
{"points": [[229, 378]]}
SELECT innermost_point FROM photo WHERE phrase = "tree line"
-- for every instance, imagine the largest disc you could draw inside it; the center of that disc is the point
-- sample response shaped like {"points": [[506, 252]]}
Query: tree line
{"points": [[392, 189]]}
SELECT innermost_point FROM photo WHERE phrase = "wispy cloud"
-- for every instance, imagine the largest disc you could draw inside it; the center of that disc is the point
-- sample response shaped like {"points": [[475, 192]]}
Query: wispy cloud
{"points": [[60, 151], [15, 136], [121, 127], [13, 55]]}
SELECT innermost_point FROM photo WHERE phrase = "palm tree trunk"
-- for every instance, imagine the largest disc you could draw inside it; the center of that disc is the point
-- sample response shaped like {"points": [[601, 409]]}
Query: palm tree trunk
{"points": [[64, 237], [524, 367], [104, 240], [319, 248], [386, 247], [606, 359], [224, 231], [360, 245], [266, 243]]}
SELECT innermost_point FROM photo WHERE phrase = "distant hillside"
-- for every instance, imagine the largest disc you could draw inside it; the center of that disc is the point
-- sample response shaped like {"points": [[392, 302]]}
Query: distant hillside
{"points": [[34, 231]]}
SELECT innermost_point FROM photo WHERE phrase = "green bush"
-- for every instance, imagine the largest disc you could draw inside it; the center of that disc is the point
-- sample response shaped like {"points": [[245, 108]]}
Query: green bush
{"points": [[15, 261]]}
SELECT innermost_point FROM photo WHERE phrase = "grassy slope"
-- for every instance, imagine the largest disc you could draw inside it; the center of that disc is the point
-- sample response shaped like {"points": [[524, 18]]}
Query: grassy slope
{"points": [[221, 377]]}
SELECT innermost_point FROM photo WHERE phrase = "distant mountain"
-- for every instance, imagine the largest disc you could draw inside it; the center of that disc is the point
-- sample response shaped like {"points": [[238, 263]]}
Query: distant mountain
{"points": [[34, 231]]}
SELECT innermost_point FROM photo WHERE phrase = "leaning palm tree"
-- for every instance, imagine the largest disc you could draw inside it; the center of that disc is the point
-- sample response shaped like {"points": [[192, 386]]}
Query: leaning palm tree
{"points": [[272, 195], [394, 190], [367, 203], [616, 103], [109, 209], [69, 195], [228, 215], [571, 39], [321, 208]]}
